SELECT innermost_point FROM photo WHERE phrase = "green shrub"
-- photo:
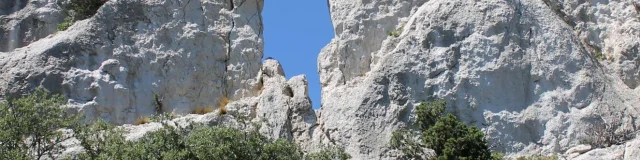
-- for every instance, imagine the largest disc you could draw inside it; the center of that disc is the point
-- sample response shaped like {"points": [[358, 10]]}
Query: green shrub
{"points": [[395, 33], [452, 139], [30, 129], [497, 155], [79, 10], [329, 153], [84, 9], [101, 140], [446, 135], [236, 144], [404, 141], [158, 103], [166, 143], [65, 24], [598, 54], [281, 150], [228, 142], [429, 112], [29, 126], [190, 142]]}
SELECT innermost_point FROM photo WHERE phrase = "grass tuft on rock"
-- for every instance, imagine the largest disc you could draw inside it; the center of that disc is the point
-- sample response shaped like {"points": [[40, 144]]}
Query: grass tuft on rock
{"points": [[202, 110], [222, 105]]}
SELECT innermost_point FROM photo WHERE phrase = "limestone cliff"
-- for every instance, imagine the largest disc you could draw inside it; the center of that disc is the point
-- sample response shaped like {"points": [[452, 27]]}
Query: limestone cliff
{"points": [[25, 21], [189, 53], [537, 76], [534, 75]]}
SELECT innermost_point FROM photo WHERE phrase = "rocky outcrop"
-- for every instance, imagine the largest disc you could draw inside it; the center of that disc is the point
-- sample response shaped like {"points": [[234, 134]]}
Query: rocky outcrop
{"points": [[282, 109], [538, 77], [190, 53], [138, 58], [523, 71], [25, 21], [9, 7], [608, 29], [629, 150]]}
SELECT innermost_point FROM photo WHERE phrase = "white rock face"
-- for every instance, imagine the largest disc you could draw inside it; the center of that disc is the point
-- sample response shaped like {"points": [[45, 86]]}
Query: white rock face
{"points": [[25, 21], [610, 28], [191, 53], [281, 110], [520, 70], [538, 77]]}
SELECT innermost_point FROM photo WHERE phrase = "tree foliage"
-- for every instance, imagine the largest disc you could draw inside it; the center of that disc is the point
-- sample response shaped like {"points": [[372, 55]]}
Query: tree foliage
{"points": [[84, 9], [30, 126], [329, 153], [193, 141], [79, 10], [404, 140], [450, 138], [429, 112]]}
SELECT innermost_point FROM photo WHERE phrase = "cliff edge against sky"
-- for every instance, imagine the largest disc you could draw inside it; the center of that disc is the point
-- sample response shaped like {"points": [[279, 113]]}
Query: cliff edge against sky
{"points": [[534, 75]]}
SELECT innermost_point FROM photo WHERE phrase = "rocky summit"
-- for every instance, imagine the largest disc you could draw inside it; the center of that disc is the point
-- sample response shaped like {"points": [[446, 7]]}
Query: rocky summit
{"points": [[538, 77]]}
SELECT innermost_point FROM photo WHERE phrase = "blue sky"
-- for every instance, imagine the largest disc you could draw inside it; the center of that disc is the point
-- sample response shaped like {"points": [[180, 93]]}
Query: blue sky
{"points": [[294, 33]]}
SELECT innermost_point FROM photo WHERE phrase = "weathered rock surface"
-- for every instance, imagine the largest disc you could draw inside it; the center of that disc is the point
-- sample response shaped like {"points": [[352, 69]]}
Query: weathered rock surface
{"points": [[523, 71], [610, 28], [25, 21], [281, 110], [538, 77], [191, 53]]}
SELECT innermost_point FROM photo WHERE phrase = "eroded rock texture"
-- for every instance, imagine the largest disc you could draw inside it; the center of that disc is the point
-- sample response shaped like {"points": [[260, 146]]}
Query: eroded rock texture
{"points": [[25, 21], [537, 76], [190, 53], [527, 72]]}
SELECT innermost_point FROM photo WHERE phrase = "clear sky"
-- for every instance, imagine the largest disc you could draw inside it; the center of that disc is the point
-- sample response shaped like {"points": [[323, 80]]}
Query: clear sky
{"points": [[294, 33]]}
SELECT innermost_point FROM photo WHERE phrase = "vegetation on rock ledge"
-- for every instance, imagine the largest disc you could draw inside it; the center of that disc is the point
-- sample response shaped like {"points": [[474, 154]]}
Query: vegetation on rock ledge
{"points": [[79, 10], [35, 126], [445, 134]]}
